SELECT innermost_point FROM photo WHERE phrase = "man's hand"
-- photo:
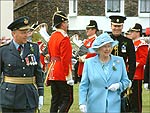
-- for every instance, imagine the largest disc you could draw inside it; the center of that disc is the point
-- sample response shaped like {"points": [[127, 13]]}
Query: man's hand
{"points": [[146, 86], [82, 58], [130, 84], [70, 82]]}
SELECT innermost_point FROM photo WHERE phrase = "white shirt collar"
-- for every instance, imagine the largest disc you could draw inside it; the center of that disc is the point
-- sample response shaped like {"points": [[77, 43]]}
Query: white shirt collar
{"points": [[62, 32], [92, 36]]}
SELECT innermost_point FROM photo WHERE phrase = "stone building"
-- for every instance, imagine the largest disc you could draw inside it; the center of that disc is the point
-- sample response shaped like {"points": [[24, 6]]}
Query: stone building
{"points": [[39, 10], [81, 11]]}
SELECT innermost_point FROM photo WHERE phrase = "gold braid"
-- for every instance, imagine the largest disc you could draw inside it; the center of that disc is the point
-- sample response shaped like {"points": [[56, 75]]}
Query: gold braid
{"points": [[116, 50]]}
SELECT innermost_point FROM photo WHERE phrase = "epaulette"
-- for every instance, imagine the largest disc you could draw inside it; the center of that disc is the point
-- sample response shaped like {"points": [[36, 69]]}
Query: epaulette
{"points": [[2, 45], [142, 43]]}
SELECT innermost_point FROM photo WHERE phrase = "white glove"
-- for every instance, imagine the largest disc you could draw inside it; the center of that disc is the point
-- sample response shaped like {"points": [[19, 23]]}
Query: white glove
{"points": [[40, 102], [83, 108], [114, 87], [146, 86], [130, 84], [70, 82]]}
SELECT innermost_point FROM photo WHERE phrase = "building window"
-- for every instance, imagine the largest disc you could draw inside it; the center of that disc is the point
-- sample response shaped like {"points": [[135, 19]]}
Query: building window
{"points": [[72, 7], [113, 5], [144, 6]]}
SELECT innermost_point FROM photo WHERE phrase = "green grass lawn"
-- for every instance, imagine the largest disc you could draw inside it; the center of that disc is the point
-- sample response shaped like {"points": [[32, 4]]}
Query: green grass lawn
{"points": [[75, 108], [146, 101]]}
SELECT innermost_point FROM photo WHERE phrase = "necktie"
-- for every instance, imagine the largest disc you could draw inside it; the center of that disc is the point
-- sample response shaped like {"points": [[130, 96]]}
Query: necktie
{"points": [[20, 48]]}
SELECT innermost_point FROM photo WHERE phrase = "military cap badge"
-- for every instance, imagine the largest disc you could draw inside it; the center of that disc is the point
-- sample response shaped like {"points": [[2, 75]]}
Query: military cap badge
{"points": [[117, 20]]}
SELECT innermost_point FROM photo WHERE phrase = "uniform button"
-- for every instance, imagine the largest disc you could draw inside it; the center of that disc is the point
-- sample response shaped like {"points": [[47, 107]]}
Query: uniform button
{"points": [[106, 88], [24, 74], [23, 67], [7, 88], [22, 60]]}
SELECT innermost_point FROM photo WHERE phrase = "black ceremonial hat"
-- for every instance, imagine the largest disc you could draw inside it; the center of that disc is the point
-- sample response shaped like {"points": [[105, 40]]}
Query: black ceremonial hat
{"points": [[92, 24], [34, 25], [21, 23], [58, 18], [137, 27], [117, 20]]}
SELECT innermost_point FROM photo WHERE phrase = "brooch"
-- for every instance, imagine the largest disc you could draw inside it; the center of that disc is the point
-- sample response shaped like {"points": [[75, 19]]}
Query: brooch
{"points": [[114, 65]]}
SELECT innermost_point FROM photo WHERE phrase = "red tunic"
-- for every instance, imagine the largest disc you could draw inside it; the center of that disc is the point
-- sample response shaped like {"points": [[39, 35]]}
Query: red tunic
{"points": [[60, 50], [41, 48], [42, 61], [141, 49], [87, 43]]}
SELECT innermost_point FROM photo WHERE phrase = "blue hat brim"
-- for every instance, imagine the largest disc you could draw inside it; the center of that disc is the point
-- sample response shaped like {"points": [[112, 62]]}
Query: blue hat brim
{"points": [[95, 48]]}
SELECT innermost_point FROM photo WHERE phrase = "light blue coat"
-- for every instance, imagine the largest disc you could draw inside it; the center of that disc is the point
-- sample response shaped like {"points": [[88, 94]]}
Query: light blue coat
{"points": [[93, 89]]}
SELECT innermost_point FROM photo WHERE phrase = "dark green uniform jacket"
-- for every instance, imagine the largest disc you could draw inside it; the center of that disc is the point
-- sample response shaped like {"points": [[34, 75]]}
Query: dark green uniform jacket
{"points": [[127, 51]]}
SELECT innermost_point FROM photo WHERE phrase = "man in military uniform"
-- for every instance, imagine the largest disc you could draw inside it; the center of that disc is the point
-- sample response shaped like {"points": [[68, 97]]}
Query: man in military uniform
{"points": [[59, 72], [125, 48], [21, 88], [91, 30], [141, 48]]}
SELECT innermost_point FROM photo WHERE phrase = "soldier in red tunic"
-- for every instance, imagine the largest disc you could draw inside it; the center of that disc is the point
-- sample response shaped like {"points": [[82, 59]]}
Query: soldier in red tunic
{"points": [[91, 31], [59, 72], [141, 49]]}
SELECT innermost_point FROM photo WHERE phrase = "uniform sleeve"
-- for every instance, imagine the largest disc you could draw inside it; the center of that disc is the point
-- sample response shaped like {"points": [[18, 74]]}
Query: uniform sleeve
{"points": [[89, 55], [146, 71], [131, 59], [66, 54], [42, 61], [142, 55], [38, 73]]}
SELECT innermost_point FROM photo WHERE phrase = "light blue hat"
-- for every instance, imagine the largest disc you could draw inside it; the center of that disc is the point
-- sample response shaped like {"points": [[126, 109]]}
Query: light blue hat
{"points": [[101, 40]]}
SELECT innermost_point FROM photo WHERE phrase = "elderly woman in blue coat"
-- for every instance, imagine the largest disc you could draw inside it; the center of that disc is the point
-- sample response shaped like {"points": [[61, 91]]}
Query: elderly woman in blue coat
{"points": [[104, 78]]}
